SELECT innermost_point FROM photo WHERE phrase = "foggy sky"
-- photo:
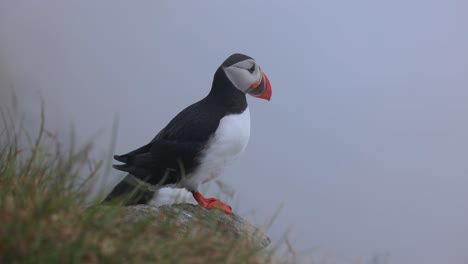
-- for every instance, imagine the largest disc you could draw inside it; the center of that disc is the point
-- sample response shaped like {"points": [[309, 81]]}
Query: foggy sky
{"points": [[364, 144]]}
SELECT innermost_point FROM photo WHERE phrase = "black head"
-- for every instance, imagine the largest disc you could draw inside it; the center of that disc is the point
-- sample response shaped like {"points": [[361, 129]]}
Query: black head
{"points": [[243, 74], [235, 58]]}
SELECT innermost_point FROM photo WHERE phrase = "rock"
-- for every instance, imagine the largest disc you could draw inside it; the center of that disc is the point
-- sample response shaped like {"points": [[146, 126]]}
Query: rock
{"points": [[184, 214]]}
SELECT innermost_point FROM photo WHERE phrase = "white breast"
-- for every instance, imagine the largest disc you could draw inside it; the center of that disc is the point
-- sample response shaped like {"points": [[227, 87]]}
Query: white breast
{"points": [[230, 139]]}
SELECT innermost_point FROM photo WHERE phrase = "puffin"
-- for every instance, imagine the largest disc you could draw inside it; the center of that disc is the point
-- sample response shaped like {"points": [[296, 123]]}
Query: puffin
{"points": [[198, 143]]}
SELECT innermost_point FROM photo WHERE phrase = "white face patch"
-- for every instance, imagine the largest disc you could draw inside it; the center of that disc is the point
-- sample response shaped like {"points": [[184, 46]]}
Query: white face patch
{"points": [[243, 74]]}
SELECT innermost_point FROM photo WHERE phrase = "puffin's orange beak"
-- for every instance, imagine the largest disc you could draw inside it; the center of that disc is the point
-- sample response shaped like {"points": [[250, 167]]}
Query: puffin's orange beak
{"points": [[262, 88]]}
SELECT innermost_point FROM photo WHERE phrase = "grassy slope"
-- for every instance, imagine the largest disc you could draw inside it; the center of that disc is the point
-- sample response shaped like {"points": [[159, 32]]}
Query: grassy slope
{"points": [[44, 220]]}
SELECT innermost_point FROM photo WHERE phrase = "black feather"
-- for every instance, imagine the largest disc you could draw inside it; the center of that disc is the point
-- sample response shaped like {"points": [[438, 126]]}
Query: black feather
{"points": [[175, 151], [130, 191]]}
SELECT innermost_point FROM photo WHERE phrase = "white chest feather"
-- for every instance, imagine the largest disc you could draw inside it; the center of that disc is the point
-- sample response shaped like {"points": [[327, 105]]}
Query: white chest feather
{"points": [[230, 139]]}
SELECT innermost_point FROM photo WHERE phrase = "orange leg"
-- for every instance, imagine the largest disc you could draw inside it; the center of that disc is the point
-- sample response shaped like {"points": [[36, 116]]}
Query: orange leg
{"points": [[210, 203]]}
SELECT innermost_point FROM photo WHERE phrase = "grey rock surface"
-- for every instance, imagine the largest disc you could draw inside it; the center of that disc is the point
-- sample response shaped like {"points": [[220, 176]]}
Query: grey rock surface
{"points": [[184, 214]]}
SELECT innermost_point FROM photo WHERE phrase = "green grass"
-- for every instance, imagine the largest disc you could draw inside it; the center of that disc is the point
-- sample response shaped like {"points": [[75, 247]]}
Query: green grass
{"points": [[44, 216]]}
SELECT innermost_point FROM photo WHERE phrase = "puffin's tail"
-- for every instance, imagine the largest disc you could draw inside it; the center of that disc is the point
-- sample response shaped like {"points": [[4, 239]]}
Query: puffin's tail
{"points": [[130, 191], [121, 158]]}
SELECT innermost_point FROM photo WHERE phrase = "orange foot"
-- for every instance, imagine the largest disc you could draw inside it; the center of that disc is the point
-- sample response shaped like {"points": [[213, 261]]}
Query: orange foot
{"points": [[210, 203]]}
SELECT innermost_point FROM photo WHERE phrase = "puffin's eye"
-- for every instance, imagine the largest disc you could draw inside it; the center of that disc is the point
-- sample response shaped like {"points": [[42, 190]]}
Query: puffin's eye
{"points": [[252, 69]]}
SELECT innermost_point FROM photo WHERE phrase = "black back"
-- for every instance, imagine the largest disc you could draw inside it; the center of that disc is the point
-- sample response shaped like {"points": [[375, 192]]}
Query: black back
{"points": [[175, 151]]}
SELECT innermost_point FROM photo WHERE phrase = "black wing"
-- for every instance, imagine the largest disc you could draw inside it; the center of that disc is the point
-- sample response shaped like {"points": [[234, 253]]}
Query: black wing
{"points": [[174, 151]]}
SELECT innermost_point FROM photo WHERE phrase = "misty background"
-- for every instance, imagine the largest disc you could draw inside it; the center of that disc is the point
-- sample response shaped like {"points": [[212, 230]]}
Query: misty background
{"points": [[364, 145]]}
